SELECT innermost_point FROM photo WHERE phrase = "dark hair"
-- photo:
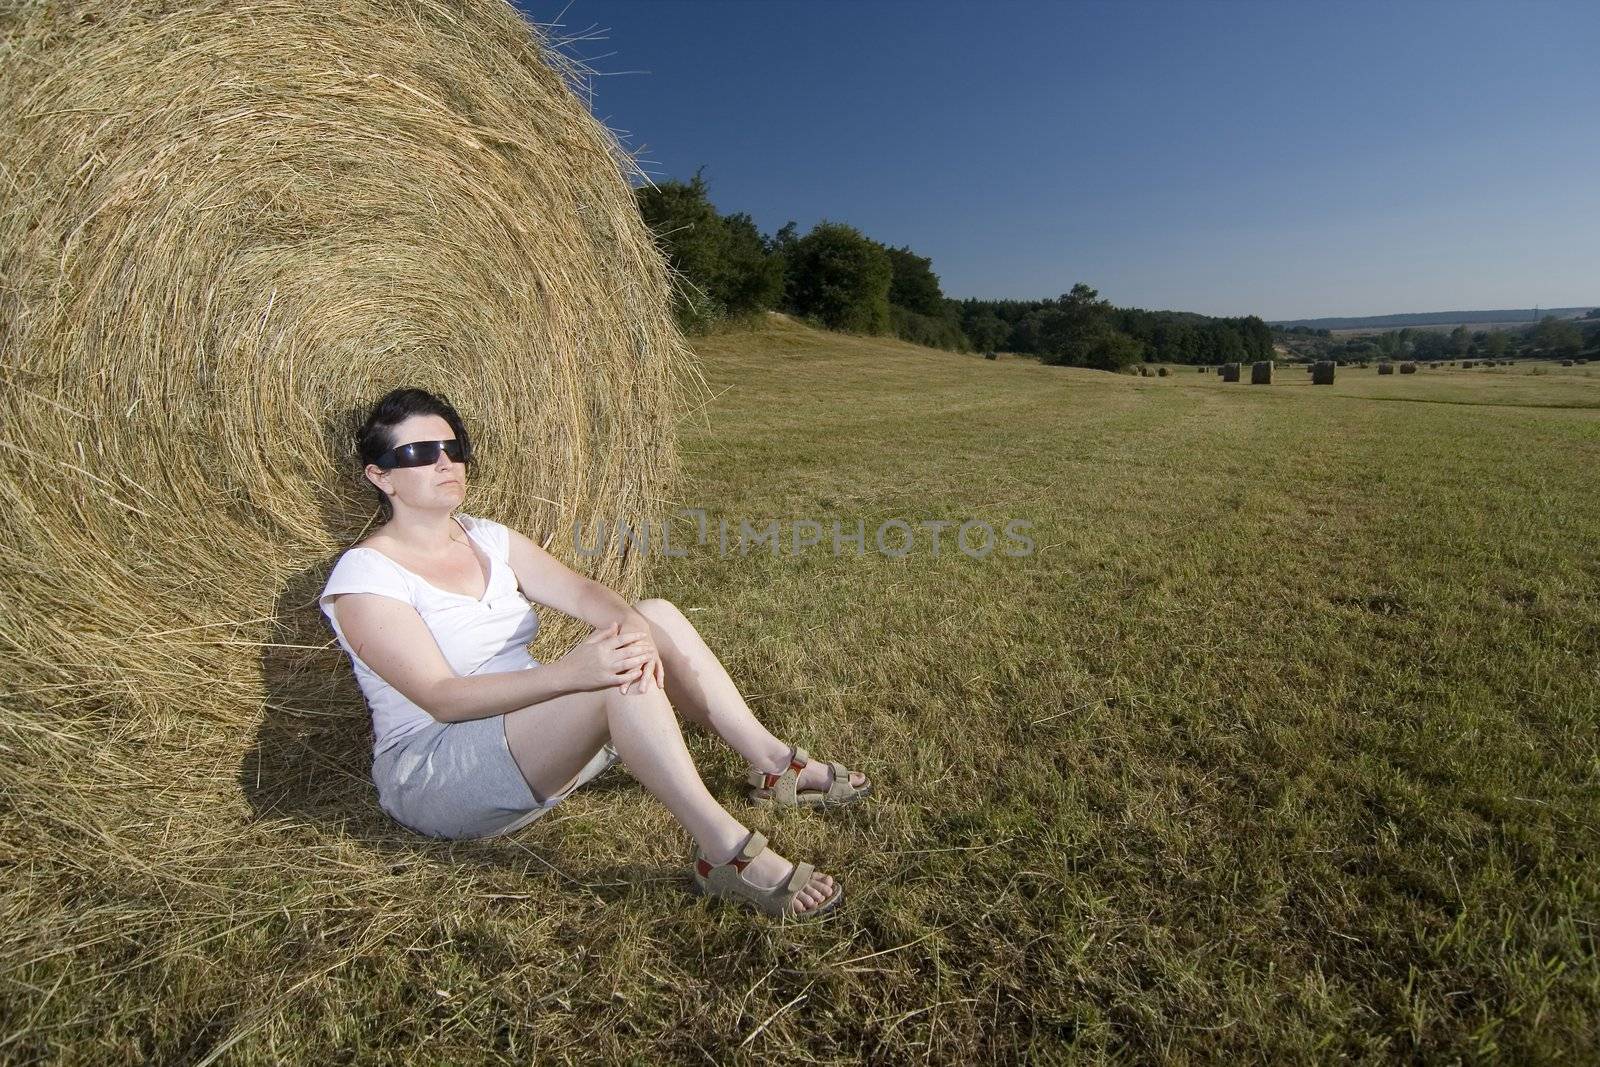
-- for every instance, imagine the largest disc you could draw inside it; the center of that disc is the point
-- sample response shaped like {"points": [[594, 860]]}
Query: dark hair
{"points": [[373, 439]]}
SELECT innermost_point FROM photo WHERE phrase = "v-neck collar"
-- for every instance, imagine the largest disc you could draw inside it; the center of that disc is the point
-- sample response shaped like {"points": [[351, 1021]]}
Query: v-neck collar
{"points": [[487, 585]]}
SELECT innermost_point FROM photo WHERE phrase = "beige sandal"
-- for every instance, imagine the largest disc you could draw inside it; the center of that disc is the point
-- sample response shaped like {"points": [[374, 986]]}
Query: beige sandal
{"points": [[781, 789], [728, 880]]}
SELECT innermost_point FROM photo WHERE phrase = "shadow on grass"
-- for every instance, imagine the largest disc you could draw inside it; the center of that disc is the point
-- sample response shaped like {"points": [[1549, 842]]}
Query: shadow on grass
{"points": [[311, 762]]}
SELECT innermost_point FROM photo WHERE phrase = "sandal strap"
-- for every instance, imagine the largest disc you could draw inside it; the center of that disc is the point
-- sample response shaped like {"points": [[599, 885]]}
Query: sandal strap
{"points": [[754, 846], [840, 788], [783, 783], [797, 881]]}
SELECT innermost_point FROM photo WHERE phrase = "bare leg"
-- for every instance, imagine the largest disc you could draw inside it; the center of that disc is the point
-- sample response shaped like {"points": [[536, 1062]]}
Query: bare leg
{"points": [[552, 740], [699, 687]]}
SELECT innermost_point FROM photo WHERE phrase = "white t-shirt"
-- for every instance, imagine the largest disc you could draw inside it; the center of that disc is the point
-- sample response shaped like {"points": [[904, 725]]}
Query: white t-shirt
{"points": [[477, 636]]}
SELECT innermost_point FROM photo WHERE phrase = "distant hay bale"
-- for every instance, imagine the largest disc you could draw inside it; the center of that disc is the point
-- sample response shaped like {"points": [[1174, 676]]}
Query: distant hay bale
{"points": [[1144, 372], [1261, 372], [1385, 367], [1161, 372], [1202, 370], [1322, 372], [1581, 360], [991, 355], [1230, 372], [1408, 368], [227, 227], [1568, 362]]}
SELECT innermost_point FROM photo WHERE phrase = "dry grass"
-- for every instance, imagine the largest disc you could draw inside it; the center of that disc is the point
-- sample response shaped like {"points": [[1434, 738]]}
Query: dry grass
{"points": [[1254, 760]]}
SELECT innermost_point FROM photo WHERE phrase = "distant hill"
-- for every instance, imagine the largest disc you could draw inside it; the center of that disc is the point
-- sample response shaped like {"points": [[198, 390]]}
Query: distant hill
{"points": [[1430, 318]]}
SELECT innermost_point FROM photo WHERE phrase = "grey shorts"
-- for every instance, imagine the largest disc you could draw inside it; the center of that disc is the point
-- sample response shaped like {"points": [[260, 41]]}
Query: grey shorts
{"points": [[458, 780]]}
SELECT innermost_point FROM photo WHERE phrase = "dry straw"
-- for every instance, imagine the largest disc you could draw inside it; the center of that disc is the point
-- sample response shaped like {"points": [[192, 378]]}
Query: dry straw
{"points": [[228, 226], [1261, 372]]}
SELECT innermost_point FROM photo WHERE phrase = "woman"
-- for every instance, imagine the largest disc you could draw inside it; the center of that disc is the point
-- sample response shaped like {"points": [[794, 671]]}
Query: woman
{"points": [[473, 737]]}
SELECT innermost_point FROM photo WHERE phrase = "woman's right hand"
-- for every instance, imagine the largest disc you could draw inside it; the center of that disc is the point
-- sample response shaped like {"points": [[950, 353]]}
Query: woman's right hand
{"points": [[606, 658]]}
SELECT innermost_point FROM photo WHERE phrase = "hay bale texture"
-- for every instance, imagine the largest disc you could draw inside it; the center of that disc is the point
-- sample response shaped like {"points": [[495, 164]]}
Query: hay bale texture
{"points": [[227, 228], [1408, 368], [1322, 372], [1230, 372], [1261, 372], [1385, 367]]}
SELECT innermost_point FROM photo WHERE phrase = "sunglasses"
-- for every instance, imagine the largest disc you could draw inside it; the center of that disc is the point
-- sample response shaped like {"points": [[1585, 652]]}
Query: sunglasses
{"points": [[422, 453]]}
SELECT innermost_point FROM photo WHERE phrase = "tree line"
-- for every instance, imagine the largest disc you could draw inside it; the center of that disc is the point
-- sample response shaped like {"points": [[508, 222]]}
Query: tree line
{"points": [[1550, 336], [725, 269]]}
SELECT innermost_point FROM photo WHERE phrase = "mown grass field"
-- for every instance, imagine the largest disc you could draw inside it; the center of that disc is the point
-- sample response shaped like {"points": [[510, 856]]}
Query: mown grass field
{"points": [[1280, 747]]}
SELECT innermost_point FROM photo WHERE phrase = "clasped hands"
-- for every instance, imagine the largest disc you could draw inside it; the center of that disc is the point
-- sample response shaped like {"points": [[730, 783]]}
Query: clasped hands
{"points": [[629, 660]]}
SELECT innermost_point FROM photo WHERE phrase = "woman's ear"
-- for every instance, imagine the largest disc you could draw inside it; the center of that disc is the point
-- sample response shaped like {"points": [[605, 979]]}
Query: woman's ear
{"points": [[373, 472]]}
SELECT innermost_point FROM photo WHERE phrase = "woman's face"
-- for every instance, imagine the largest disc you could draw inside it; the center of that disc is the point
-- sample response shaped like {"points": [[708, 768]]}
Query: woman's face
{"points": [[440, 484]]}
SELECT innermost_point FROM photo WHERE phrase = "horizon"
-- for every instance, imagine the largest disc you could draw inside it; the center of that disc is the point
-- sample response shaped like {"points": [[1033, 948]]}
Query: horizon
{"points": [[1415, 161]]}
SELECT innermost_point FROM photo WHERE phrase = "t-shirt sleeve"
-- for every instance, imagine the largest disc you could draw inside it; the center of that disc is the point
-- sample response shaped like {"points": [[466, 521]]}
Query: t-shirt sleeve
{"points": [[364, 571], [497, 535]]}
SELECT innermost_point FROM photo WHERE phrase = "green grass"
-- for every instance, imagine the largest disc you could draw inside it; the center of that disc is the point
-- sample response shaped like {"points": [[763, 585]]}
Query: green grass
{"points": [[1281, 747]]}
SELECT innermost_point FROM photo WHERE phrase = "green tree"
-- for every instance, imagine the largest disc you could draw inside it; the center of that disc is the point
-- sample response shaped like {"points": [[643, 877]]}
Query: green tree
{"points": [[721, 266], [1078, 331], [987, 331], [840, 278], [1459, 341], [914, 286], [1559, 337], [1495, 343]]}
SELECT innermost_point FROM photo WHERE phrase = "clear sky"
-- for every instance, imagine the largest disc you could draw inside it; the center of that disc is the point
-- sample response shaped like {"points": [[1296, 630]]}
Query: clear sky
{"points": [[1287, 159]]}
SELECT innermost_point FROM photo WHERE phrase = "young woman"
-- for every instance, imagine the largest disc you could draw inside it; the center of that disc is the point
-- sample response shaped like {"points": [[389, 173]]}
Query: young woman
{"points": [[474, 737]]}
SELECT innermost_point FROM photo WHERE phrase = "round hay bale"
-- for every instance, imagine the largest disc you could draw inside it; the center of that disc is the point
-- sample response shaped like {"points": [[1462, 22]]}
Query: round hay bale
{"points": [[228, 231], [1230, 372], [1322, 372], [1385, 367], [1567, 362], [1161, 372], [1408, 368], [1261, 372]]}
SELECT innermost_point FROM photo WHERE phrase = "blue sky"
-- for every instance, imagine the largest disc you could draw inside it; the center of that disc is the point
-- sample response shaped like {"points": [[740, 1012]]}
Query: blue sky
{"points": [[1283, 159]]}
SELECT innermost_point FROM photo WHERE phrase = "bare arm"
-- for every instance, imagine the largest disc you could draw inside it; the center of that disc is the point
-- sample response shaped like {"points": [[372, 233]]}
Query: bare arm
{"points": [[390, 637], [545, 579]]}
